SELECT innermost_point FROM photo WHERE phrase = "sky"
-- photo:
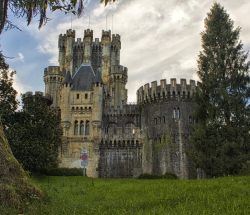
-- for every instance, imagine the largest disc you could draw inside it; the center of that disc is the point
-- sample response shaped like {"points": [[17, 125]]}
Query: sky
{"points": [[160, 39]]}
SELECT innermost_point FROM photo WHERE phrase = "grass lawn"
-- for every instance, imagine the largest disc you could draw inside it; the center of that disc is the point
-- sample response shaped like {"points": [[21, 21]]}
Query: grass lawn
{"points": [[79, 195]]}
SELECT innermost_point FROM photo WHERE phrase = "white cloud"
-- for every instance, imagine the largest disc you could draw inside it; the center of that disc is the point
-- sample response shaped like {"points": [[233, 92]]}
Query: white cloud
{"points": [[18, 58], [160, 39]]}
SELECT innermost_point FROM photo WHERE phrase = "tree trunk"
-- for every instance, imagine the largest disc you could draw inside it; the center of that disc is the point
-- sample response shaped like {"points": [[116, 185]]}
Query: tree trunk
{"points": [[15, 187]]}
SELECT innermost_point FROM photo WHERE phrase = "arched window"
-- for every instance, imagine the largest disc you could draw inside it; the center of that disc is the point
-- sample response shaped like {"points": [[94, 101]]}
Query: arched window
{"points": [[76, 128], [178, 113], [81, 128], [87, 128], [164, 119]]}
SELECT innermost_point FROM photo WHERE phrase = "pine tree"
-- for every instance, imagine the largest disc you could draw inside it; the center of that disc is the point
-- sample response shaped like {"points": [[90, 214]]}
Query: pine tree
{"points": [[221, 138]]}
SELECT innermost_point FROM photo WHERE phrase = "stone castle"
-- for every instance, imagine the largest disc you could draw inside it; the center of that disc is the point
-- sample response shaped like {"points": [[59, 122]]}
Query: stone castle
{"points": [[121, 139]]}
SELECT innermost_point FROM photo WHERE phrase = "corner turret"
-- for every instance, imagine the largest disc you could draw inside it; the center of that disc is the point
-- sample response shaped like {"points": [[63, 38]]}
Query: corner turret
{"points": [[115, 49], [53, 80]]}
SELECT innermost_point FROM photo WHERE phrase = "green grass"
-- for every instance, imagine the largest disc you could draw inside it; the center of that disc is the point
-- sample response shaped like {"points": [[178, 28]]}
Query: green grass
{"points": [[78, 195]]}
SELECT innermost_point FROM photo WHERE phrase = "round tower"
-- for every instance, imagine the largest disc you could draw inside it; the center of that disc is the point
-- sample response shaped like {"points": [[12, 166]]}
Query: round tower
{"points": [[53, 79], [117, 86]]}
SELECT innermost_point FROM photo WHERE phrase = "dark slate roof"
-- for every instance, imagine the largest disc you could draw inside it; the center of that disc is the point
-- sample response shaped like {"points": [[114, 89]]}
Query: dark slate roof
{"points": [[67, 79], [84, 78]]}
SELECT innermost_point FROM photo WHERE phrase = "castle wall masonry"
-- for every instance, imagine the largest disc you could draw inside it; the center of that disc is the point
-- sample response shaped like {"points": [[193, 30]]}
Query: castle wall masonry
{"points": [[122, 140]]}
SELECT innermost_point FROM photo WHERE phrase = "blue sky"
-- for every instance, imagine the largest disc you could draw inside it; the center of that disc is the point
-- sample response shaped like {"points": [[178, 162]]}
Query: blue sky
{"points": [[160, 39]]}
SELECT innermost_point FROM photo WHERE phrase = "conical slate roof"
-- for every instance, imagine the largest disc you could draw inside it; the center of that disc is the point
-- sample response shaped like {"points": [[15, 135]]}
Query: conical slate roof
{"points": [[84, 78]]}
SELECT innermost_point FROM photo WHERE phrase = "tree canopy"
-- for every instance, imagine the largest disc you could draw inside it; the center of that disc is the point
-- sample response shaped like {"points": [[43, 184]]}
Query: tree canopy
{"points": [[8, 102], [221, 140], [35, 134], [38, 8]]}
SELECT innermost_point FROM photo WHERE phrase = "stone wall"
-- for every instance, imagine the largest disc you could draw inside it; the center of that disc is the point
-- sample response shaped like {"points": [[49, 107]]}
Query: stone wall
{"points": [[166, 125], [120, 160]]}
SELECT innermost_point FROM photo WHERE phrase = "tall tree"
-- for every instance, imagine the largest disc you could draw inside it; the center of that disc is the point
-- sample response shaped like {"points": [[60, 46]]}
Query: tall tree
{"points": [[8, 102], [31, 8], [15, 187], [221, 138], [35, 134]]}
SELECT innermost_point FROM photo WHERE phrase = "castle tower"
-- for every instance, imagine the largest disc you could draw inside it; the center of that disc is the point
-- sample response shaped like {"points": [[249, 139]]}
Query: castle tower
{"points": [[62, 51], [106, 46], [96, 57], [77, 54], [115, 49], [53, 79], [70, 40], [118, 81], [87, 42]]}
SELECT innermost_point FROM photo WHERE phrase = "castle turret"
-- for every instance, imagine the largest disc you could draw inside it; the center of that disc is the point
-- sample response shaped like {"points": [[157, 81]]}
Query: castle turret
{"points": [[62, 51], [53, 79], [96, 57], [70, 39], [77, 54], [106, 45], [115, 49], [87, 42], [118, 80]]}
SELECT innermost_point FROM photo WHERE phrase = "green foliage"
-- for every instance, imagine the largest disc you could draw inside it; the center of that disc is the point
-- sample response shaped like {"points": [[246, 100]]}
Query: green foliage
{"points": [[220, 141], [63, 172], [35, 134], [80, 195], [38, 8], [8, 102]]}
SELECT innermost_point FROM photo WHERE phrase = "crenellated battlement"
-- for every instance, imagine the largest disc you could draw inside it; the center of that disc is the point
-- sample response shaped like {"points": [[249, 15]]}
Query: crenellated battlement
{"points": [[52, 70], [88, 33], [118, 69], [106, 35], [116, 41], [78, 44], [39, 94], [71, 33], [61, 41], [158, 92]]}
